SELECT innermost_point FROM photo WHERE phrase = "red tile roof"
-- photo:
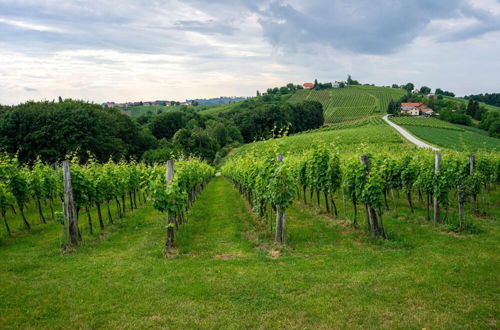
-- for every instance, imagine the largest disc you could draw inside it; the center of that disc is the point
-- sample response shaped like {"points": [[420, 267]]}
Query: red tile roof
{"points": [[417, 105], [306, 85]]}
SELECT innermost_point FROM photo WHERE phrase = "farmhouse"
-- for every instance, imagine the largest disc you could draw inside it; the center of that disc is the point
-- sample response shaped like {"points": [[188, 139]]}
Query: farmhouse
{"points": [[308, 85], [416, 109], [339, 84]]}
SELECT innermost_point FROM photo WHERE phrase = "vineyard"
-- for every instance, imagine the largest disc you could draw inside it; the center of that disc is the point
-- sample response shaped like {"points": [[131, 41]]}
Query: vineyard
{"points": [[363, 135], [346, 215], [82, 188], [225, 257], [345, 104], [367, 182], [461, 140], [424, 122]]}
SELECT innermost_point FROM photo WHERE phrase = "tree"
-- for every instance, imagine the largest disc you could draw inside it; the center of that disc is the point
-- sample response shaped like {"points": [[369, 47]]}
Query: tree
{"points": [[409, 87], [395, 86], [351, 81], [425, 90], [258, 93], [166, 124], [315, 83], [392, 108]]}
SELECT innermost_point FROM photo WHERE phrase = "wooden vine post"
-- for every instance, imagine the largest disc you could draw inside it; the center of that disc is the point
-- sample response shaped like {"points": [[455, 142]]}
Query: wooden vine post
{"points": [[374, 226], [472, 162], [280, 217], [437, 212], [70, 205], [170, 217]]}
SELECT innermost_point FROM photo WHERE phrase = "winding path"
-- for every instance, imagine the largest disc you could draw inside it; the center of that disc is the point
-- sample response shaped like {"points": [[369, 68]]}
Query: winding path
{"points": [[408, 136]]}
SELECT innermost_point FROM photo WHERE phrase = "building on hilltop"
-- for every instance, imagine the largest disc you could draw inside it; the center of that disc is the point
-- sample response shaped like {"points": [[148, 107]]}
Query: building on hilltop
{"points": [[416, 109], [308, 85], [339, 84]]}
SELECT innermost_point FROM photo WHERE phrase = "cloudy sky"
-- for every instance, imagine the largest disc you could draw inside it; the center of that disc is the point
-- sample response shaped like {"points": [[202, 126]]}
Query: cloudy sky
{"points": [[143, 50]]}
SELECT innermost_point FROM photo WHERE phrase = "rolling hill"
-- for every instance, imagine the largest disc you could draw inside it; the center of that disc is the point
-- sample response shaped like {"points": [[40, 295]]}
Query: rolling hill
{"points": [[354, 102], [465, 101]]}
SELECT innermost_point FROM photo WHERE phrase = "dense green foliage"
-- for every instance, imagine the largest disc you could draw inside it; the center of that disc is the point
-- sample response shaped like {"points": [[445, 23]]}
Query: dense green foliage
{"points": [[488, 98], [52, 130]]}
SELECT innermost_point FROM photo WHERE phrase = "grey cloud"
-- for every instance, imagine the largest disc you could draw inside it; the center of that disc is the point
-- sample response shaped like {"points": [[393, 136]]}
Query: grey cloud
{"points": [[362, 26], [29, 89], [365, 27]]}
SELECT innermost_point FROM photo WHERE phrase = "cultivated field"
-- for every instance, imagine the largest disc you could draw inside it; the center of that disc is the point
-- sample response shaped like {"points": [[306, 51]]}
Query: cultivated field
{"points": [[424, 122], [460, 140], [344, 104], [447, 135]]}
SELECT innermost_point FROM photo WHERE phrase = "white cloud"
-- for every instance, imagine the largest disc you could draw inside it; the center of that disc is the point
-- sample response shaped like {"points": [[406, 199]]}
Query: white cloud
{"points": [[30, 26]]}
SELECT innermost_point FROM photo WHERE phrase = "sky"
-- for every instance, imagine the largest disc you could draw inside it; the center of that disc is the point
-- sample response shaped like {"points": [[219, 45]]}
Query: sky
{"points": [[133, 50]]}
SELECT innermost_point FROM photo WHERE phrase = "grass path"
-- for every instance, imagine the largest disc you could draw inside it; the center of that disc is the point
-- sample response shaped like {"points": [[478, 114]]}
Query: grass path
{"points": [[219, 222]]}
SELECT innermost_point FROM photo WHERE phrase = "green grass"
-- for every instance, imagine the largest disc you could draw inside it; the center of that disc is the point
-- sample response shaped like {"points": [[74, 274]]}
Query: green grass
{"points": [[228, 274], [424, 122], [354, 102], [454, 139]]}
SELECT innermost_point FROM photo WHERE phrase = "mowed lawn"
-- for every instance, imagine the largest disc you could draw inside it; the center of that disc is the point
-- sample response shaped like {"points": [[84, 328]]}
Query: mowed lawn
{"points": [[228, 274]]}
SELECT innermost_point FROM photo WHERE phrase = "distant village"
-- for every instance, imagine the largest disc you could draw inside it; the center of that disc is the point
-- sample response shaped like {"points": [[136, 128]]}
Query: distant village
{"points": [[195, 102], [128, 105]]}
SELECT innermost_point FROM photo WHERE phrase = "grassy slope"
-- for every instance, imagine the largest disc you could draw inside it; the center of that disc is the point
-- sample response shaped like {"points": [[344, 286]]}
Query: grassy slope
{"points": [[329, 276], [348, 137], [461, 100]]}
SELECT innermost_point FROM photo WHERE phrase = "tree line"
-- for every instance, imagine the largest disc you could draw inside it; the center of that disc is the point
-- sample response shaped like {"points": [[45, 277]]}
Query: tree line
{"points": [[51, 130], [488, 98]]}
